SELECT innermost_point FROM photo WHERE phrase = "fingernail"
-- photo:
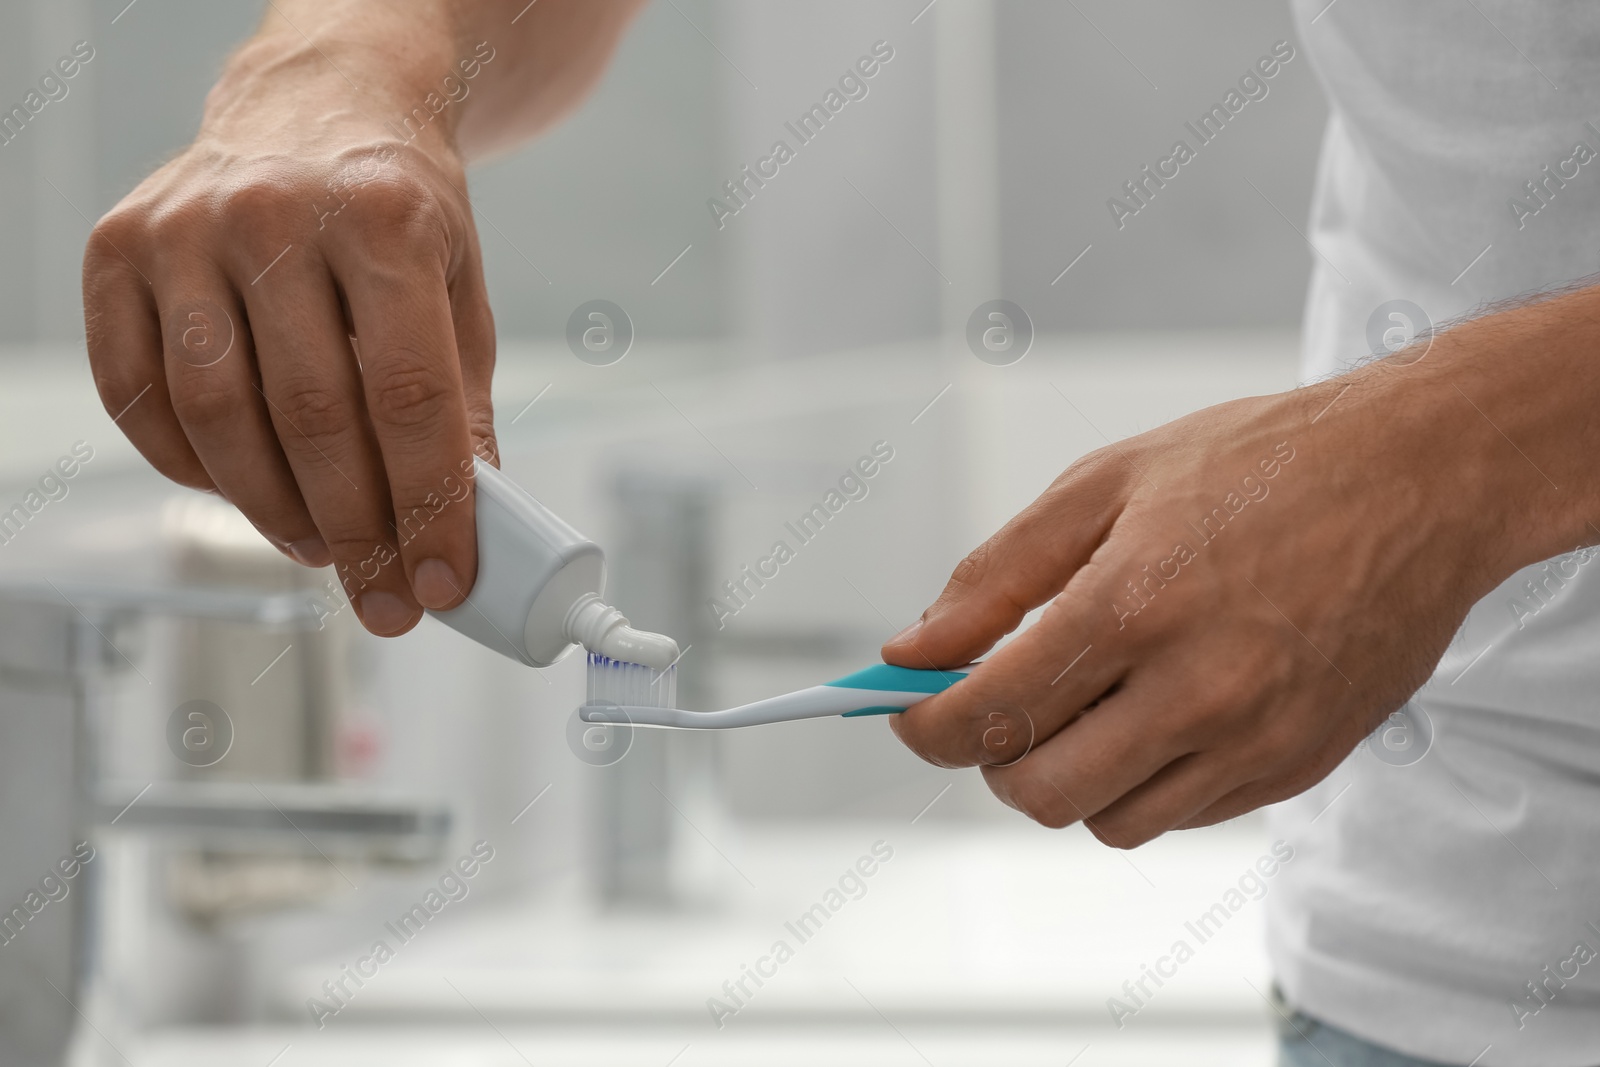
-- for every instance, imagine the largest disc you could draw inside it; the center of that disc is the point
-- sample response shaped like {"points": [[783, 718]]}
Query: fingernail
{"points": [[904, 636], [384, 613], [311, 552], [435, 584]]}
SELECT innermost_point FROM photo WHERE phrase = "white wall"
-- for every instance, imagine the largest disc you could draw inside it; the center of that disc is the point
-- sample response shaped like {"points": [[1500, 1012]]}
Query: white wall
{"points": [[701, 87]]}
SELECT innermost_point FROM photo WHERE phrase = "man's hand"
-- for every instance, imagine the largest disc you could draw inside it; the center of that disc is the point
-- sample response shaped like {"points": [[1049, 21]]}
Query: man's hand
{"points": [[1238, 597], [222, 296], [292, 312]]}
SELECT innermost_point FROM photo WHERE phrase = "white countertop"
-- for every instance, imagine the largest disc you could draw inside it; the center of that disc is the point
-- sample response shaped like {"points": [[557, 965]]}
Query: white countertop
{"points": [[972, 937]]}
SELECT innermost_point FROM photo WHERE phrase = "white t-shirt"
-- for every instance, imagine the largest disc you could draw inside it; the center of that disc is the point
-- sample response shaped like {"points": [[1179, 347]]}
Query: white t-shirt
{"points": [[1451, 905]]}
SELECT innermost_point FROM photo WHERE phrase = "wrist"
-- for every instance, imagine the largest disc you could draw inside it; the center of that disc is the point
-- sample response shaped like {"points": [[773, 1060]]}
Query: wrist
{"points": [[1490, 426], [359, 79]]}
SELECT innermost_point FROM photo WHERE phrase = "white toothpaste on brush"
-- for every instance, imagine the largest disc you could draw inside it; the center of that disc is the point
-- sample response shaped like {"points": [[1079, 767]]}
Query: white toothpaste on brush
{"points": [[540, 589]]}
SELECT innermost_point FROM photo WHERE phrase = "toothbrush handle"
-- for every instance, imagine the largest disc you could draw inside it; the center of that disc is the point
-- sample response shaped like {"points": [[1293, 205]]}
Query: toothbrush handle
{"points": [[884, 689], [878, 690]]}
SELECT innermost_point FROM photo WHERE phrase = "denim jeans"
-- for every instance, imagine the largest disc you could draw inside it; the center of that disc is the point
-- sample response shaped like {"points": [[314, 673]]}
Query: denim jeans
{"points": [[1306, 1042]]}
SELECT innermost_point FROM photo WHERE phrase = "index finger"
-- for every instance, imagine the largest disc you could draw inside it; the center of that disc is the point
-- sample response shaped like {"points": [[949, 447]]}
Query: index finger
{"points": [[411, 378], [1033, 686]]}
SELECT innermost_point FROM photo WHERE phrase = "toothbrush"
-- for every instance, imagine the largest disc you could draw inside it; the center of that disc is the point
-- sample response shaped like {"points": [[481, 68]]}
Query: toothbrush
{"points": [[539, 592], [881, 689]]}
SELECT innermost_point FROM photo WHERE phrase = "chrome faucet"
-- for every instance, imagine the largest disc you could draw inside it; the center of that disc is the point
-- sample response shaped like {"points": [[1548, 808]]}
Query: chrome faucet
{"points": [[66, 647]]}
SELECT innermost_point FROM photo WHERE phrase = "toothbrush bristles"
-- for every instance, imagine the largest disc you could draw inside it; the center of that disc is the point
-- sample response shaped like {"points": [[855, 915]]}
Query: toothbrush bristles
{"points": [[626, 684]]}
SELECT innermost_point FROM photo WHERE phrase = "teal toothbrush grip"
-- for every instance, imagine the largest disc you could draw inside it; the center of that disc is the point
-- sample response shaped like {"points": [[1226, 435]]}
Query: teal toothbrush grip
{"points": [[887, 678]]}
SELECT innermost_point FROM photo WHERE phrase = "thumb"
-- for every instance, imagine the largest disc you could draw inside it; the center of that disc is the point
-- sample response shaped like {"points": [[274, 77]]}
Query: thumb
{"points": [[1026, 563]]}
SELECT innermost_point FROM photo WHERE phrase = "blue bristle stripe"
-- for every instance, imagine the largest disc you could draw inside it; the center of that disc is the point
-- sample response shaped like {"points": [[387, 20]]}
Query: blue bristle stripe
{"points": [[621, 682]]}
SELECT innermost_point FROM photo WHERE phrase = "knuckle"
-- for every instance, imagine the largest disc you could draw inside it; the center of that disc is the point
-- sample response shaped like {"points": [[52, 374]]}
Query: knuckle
{"points": [[1267, 738], [398, 207], [176, 216], [1051, 817], [990, 568], [1090, 486], [1239, 705], [362, 558], [117, 388], [1036, 797], [918, 735], [205, 403], [1087, 466], [421, 520], [1272, 668], [919, 746], [1103, 463], [1228, 697], [1123, 833], [316, 414], [362, 547], [1189, 726], [256, 207], [480, 426], [409, 394], [971, 570], [117, 231], [1001, 733], [350, 543], [259, 221]]}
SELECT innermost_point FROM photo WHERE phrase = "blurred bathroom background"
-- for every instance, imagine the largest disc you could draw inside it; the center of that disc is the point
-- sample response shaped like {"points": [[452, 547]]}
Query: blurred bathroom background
{"points": [[265, 790]]}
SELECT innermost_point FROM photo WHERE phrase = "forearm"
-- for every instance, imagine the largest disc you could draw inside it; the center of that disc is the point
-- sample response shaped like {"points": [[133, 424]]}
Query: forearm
{"points": [[1502, 415], [475, 75]]}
